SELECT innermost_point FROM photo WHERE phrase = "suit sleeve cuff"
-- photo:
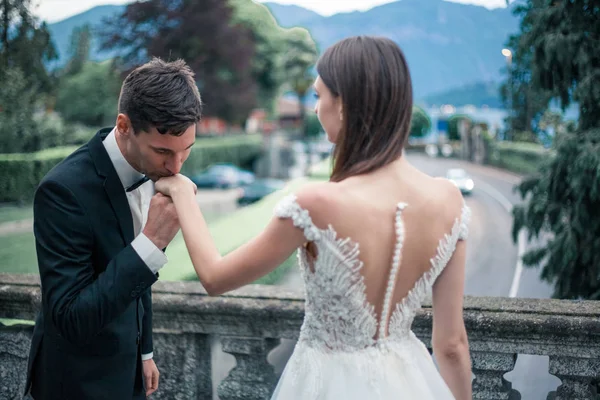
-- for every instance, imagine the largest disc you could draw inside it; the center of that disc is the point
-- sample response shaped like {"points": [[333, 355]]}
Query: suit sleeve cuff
{"points": [[148, 356], [154, 257]]}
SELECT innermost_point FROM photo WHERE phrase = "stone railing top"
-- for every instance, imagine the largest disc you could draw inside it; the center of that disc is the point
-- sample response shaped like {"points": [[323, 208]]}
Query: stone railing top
{"points": [[520, 325]]}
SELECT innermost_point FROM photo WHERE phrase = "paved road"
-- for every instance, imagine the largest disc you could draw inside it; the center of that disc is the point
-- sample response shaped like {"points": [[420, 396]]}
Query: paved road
{"points": [[491, 255], [492, 267]]}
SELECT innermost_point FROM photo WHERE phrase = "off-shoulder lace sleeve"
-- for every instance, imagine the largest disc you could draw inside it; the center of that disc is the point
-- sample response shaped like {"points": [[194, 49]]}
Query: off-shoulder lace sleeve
{"points": [[465, 220], [288, 207]]}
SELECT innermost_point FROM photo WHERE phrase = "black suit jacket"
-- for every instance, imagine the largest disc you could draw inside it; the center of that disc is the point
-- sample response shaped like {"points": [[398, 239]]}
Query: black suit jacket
{"points": [[96, 314]]}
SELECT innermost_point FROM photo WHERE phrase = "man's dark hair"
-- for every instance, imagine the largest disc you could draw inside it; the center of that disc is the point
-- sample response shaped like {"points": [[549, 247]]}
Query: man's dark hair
{"points": [[163, 95]]}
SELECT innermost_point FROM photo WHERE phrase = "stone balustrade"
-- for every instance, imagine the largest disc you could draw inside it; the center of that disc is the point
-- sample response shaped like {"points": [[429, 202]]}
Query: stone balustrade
{"points": [[249, 323]]}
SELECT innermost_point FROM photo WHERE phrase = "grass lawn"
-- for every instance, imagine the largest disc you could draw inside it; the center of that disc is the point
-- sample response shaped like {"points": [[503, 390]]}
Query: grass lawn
{"points": [[321, 170], [17, 251], [15, 213]]}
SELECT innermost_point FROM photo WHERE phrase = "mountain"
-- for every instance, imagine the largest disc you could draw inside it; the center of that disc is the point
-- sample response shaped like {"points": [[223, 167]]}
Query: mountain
{"points": [[478, 94], [288, 15], [447, 45], [61, 31]]}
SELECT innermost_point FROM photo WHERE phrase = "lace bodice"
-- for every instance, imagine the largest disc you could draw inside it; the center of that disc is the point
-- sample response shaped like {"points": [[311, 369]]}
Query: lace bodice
{"points": [[338, 316]]}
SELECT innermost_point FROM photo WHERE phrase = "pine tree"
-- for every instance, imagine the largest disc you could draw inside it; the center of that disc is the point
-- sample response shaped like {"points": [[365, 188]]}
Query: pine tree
{"points": [[25, 49], [563, 199]]}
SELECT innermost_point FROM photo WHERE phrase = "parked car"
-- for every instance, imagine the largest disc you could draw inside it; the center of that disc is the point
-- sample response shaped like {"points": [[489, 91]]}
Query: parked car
{"points": [[259, 189], [461, 179], [223, 176]]}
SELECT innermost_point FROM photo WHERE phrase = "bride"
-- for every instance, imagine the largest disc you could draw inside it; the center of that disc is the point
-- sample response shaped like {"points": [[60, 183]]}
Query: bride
{"points": [[373, 241]]}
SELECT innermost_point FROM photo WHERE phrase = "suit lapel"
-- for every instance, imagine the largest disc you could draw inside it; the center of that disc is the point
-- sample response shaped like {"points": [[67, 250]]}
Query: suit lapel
{"points": [[118, 199], [112, 184]]}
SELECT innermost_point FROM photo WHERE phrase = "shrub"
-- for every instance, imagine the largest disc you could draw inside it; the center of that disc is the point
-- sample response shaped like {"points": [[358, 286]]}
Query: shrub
{"points": [[519, 157], [22, 172]]}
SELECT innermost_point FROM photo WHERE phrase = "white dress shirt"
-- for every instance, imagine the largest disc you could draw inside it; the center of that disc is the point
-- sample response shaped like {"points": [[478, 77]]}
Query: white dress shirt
{"points": [[139, 203]]}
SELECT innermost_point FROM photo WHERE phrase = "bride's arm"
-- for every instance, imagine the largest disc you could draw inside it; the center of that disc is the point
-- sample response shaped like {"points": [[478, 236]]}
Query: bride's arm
{"points": [[242, 266], [449, 336], [450, 343]]}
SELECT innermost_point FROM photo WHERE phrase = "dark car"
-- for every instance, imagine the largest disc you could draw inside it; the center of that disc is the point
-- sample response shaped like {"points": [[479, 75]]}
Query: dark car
{"points": [[223, 176], [259, 189]]}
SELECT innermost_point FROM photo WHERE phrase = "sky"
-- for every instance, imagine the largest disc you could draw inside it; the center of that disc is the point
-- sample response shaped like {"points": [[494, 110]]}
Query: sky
{"points": [[56, 10]]}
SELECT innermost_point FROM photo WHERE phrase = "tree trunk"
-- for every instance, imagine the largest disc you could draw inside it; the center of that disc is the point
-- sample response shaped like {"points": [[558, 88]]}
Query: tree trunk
{"points": [[5, 25]]}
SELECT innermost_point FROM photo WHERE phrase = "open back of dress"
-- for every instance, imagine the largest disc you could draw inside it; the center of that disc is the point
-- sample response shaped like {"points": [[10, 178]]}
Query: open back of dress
{"points": [[356, 340]]}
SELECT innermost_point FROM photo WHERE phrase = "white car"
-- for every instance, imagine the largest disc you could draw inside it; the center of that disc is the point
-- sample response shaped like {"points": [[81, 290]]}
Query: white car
{"points": [[461, 179]]}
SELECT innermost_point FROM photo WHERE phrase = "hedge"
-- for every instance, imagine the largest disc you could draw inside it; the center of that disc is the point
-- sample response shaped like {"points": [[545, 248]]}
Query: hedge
{"points": [[20, 173], [241, 150], [518, 157]]}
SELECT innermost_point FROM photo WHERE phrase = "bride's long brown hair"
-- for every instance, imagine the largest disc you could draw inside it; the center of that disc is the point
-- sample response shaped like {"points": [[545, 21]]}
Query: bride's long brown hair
{"points": [[371, 76]]}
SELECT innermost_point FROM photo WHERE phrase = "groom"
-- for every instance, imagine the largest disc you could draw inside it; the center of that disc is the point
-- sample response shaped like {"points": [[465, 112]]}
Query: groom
{"points": [[99, 231]]}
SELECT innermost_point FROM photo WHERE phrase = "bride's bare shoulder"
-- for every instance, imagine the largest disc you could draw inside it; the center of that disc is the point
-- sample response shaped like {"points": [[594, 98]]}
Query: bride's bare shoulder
{"points": [[447, 196], [319, 199]]}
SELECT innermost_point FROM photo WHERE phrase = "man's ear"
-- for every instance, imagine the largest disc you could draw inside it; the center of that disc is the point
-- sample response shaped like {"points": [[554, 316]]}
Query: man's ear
{"points": [[124, 125]]}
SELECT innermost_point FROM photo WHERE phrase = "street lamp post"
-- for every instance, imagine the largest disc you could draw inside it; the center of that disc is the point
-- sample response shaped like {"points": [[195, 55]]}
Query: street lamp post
{"points": [[508, 55]]}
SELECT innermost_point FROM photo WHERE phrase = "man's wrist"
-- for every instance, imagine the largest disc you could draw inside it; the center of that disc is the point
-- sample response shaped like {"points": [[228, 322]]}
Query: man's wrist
{"points": [[158, 243], [153, 256]]}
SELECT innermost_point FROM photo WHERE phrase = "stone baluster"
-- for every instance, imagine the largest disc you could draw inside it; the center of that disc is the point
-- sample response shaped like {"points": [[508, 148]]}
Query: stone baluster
{"points": [[489, 369], [184, 363], [14, 352], [578, 376], [253, 377]]}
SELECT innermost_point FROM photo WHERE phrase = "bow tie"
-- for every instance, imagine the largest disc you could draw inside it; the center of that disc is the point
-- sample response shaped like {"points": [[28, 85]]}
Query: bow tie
{"points": [[139, 183]]}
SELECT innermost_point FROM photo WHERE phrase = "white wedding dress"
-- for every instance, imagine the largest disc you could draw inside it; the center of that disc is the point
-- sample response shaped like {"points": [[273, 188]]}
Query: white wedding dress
{"points": [[337, 355]]}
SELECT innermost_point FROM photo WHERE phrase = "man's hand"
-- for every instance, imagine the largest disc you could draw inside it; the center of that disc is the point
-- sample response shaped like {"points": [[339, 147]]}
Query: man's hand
{"points": [[162, 224], [151, 375]]}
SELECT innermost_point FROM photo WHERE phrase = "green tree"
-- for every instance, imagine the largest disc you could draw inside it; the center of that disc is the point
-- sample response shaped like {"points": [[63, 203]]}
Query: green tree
{"points": [[525, 101], [79, 50], [25, 48], [551, 123], [563, 199], [267, 61], [25, 44], [420, 123], [313, 126], [300, 56], [203, 33], [88, 91], [453, 133], [90, 96], [16, 113]]}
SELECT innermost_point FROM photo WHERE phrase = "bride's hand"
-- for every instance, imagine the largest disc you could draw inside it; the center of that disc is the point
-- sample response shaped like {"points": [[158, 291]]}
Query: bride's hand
{"points": [[175, 184]]}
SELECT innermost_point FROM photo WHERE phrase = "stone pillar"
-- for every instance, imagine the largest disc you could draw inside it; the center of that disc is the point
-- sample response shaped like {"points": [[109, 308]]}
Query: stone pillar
{"points": [[253, 377], [184, 363], [577, 376], [463, 131], [489, 369], [14, 352]]}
